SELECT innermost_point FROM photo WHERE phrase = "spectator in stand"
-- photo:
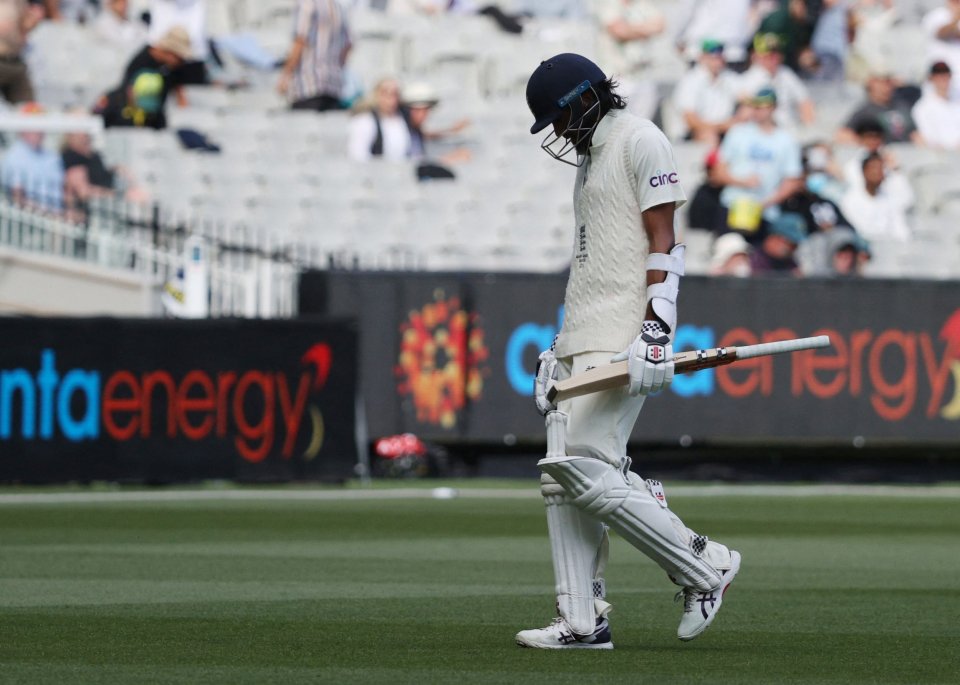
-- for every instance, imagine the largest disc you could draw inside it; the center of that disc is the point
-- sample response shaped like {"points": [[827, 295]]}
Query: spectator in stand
{"points": [[871, 138], [727, 21], [114, 27], [706, 96], [767, 70], [141, 97], [627, 29], [870, 25], [792, 23], [88, 177], [776, 254], [760, 167], [17, 19], [847, 254], [822, 175], [730, 256], [943, 27], [937, 116], [887, 104], [820, 212], [874, 213], [418, 100], [31, 174], [705, 211], [394, 128], [191, 15], [381, 128], [830, 41], [313, 74]]}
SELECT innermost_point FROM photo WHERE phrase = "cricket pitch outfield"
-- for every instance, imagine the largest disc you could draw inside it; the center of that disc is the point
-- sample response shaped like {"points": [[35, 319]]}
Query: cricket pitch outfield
{"points": [[839, 586]]}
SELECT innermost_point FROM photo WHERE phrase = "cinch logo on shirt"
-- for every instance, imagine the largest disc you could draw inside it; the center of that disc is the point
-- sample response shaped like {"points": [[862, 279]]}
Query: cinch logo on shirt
{"points": [[661, 179]]}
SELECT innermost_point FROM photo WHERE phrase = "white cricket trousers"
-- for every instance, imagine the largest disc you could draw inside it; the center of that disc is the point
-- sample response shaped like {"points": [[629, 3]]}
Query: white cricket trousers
{"points": [[599, 423]]}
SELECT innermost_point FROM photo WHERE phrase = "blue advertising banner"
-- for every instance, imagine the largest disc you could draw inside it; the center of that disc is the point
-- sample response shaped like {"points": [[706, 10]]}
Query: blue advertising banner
{"points": [[453, 357], [154, 400]]}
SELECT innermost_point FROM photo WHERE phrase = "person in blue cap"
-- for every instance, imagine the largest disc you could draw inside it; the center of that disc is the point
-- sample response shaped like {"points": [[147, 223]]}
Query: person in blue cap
{"points": [[620, 305]]}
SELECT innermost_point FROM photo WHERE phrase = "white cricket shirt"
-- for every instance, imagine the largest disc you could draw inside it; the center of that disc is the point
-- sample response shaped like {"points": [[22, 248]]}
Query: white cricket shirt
{"points": [[629, 169]]}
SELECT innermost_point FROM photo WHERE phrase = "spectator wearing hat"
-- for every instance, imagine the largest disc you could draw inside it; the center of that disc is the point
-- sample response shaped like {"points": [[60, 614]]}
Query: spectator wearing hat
{"points": [[17, 19], [873, 211], [936, 115], [313, 74], [792, 23], [140, 99], [706, 96], [767, 70], [727, 21], [192, 16], [776, 254], [419, 99], [393, 126], [871, 137], [886, 103], [760, 166], [730, 256], [32, 174], [942, 26]]}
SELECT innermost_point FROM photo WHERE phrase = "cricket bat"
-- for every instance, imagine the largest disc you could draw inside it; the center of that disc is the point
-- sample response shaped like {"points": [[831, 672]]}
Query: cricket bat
{"points": [[615, 375]]}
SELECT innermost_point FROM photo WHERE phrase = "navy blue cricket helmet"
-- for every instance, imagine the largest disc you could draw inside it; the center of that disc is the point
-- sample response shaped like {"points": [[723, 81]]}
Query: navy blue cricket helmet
{"points": [[558, 82]]}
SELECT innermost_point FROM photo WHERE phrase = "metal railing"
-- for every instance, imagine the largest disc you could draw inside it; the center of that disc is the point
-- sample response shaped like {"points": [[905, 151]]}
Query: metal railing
{"points": [[247, 273]]}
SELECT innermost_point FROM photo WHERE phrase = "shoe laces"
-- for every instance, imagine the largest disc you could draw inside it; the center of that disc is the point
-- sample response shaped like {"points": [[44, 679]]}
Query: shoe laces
{"points": [[688, 596]]}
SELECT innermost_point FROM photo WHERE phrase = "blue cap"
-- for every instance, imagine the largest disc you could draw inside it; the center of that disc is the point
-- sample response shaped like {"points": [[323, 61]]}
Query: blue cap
{"points": [[791, 226], [556, 83]]}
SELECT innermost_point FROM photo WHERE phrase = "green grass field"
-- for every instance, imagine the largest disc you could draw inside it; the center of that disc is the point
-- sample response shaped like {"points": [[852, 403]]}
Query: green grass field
{"points": [[833, 589]]}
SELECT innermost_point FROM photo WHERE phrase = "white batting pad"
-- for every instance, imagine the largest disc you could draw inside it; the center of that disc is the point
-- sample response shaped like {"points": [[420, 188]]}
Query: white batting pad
{"points": [[578, 545], [625, 503]]}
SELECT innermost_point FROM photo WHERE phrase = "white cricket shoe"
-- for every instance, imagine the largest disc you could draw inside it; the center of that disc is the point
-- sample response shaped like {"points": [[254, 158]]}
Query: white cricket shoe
{"points": [[700, 608], [558, 635]]}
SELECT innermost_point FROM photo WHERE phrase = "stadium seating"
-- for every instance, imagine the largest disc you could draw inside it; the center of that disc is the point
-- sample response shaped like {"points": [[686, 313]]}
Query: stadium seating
{"points": [[285, 174]]}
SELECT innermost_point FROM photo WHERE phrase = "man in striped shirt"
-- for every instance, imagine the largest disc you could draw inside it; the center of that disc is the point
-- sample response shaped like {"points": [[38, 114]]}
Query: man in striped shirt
{"points": [[312, 76]]}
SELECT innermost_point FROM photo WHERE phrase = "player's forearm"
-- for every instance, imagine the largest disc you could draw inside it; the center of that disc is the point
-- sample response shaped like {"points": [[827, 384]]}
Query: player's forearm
{"points": [[658, 227], [293, 59]]}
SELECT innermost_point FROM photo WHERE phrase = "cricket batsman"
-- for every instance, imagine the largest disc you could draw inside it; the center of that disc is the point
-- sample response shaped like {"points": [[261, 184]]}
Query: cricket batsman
{"points": [[620, 304]]}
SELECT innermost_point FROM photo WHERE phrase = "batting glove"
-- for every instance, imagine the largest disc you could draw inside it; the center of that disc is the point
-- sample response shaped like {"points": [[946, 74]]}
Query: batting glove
{"points": [[649, 360], [546, 378]]}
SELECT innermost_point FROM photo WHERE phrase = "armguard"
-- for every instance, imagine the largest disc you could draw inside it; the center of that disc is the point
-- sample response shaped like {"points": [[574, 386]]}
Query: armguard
{"points": [[663, 296]]}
